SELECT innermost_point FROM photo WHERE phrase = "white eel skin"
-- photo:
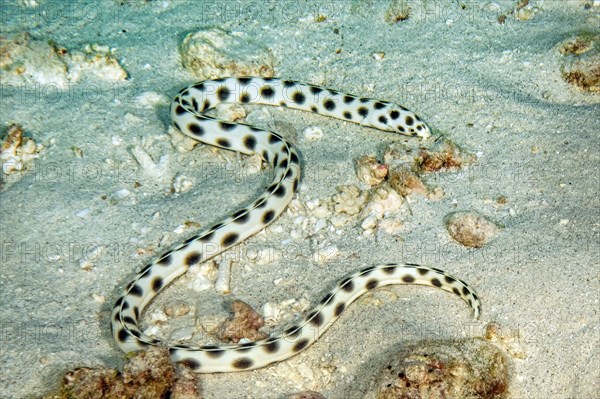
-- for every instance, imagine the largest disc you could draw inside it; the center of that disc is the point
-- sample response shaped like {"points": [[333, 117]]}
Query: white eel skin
{"points": [[188, 114]]}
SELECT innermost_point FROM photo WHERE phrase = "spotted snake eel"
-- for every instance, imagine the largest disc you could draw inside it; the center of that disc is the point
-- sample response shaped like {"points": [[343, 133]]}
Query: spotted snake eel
{"points": [[188, 115]]}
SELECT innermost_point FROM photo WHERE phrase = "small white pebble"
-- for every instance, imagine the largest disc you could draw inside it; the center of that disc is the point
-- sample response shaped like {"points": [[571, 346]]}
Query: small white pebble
{"points": [[340, 220], [151, 99], [152, 331], [326, 254], [270, 313], [299, 220], [180, 229], [276, 229], [29, 147], [131, 119], [203, 276], [54, 258], [158, 315], [564, 222], [379, 55], [99, 298], [87, 262], [264, 255], [84, 213], [306, 372], [120, 194], [350, 200], [312, 204], [321, 211], [182, 184], [222, 284], [369, 223], [313, 133], [288, 302], [321, 224], [390, 225], [154, 170], [182, 334]]}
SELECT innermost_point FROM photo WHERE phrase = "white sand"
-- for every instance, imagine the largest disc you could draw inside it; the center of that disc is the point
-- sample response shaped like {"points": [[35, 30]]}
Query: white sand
{"points": [[495, 89]]}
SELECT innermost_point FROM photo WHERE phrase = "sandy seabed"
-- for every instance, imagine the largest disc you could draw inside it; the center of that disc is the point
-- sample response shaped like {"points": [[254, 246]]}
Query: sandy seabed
{"points": [[484, 73]]}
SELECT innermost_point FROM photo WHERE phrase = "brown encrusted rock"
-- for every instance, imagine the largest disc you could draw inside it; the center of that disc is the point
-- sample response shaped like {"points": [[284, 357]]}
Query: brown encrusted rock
{"points": [[470, 229], [471, 368], [443, 155], [244, 324], [584, 73], [581, 61], [186, 385], [147, 375], [91, 383], [406, 182]]}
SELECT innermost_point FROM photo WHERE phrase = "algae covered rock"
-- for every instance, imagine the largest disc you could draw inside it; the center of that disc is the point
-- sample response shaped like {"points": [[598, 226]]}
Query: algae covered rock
{"points": [[147, 375], [470, 228], [213, 53], [581, 62], [470, 368]]}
